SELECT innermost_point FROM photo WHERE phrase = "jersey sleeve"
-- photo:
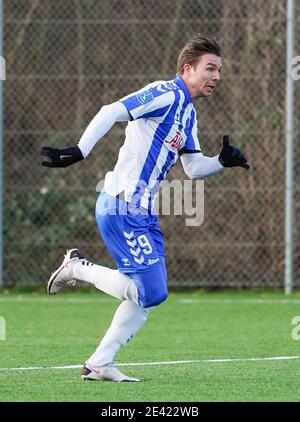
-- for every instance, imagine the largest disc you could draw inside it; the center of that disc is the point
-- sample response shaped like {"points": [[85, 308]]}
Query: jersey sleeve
{"points": [[148, 102], [192, 143]]}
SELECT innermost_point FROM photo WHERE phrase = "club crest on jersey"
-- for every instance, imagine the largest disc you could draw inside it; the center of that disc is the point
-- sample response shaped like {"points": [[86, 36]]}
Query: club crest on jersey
{"points": [[176, 142], [144, 97]]}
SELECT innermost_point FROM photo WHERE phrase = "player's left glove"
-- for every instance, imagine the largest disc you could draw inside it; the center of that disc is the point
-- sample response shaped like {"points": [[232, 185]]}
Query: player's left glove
{"points": [[231, 156], [61, 157]]}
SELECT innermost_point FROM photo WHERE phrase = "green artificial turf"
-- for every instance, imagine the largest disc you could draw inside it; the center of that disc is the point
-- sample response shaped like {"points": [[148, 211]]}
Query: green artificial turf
{"points": [[64, 330]]}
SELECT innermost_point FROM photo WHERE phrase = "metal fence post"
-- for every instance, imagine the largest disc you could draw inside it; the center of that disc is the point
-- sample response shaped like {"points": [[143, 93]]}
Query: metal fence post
{"points": [[289, 172], [1, 141]]}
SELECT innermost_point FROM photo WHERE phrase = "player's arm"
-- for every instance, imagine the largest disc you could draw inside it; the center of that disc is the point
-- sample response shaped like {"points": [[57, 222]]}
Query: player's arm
{"points": [[98, 127], [198, 166]]}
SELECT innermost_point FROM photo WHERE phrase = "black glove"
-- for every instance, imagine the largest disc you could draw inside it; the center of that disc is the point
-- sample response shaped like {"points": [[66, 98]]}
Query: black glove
{"points": [[231, 156], [61, 157]]}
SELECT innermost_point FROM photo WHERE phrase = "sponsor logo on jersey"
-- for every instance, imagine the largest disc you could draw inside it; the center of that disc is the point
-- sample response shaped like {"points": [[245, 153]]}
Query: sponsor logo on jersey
{"points": [[144, 97], [176, 142], [152, 261], [125, 262]]}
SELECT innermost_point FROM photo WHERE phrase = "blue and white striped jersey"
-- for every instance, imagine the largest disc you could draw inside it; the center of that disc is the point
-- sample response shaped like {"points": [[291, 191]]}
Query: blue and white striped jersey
{"points": [[163, 125]]}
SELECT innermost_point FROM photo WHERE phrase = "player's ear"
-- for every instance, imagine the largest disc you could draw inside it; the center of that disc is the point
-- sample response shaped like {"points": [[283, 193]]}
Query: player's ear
{"points": [[187, 68]]}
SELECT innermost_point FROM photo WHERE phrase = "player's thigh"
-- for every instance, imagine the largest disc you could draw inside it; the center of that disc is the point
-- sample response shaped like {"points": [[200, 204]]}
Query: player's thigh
{"points": [[151, 285], [158, 239], [163, 267]]}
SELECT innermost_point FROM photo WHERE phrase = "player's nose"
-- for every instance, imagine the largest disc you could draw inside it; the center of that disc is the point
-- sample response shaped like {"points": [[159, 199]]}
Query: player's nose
{"points": [[217, 76]]}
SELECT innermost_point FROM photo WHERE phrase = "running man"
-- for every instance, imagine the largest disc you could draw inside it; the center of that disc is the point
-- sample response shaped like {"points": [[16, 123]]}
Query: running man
{"points": [[162, 126]]}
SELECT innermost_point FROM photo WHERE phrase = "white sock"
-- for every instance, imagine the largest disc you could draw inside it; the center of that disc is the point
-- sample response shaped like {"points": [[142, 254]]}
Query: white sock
{"points": [[127, 320], [107, 280]]}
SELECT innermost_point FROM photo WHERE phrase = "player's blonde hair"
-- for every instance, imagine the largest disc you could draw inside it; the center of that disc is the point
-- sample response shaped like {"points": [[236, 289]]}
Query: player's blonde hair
{"points": [[194, 49]]}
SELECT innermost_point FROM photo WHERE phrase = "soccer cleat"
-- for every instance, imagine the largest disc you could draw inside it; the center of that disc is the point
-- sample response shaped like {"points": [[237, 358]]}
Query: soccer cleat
{"points": [[63, 275], [109, 373]]}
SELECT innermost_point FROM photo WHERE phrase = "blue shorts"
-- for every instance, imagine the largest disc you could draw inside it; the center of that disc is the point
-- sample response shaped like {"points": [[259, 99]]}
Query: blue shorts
{"points": [[135, 241]]}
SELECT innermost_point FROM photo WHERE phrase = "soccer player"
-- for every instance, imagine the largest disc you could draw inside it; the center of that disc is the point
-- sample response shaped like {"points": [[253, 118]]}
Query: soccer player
{"points": [[162, 126]]}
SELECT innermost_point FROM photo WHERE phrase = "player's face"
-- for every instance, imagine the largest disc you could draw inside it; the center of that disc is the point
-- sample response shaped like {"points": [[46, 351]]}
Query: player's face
{"points": [[202, 78]]}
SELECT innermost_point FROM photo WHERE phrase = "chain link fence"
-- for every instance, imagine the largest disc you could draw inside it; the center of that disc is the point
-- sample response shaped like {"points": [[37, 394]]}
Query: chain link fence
{"points": [[65, 59]]}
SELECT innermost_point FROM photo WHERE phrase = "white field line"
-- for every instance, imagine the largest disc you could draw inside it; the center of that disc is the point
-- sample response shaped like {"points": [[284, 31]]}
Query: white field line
{"points": [[175, 362]]}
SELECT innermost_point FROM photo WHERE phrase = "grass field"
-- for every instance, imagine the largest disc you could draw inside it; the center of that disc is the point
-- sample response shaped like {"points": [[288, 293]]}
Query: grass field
{"points": [[46, 332]]}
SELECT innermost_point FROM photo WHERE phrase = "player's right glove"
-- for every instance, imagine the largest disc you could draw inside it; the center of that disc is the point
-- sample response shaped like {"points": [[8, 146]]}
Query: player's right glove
{"points": [[230, 156], [61, 157]]}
